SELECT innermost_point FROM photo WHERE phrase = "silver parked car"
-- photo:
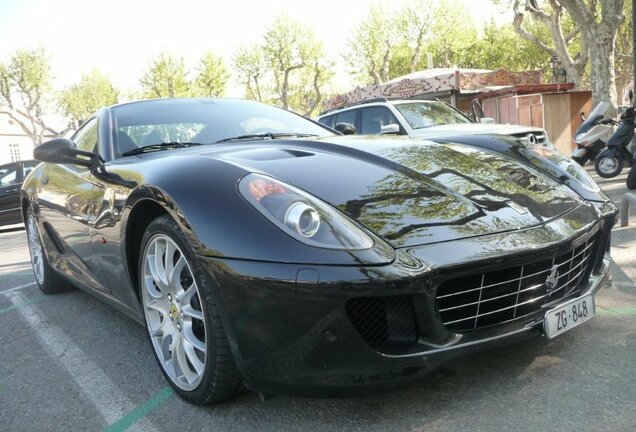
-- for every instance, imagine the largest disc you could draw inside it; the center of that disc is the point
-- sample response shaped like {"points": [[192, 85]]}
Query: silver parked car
{"points": [[422, 119]]}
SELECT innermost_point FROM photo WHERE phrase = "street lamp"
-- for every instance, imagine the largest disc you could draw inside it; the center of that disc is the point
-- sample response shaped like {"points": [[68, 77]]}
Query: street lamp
{"points": [[559, 73]]}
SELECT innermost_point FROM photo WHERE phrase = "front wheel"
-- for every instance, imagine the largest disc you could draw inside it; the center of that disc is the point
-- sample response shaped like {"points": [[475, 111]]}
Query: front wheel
{"points": [[608, 167], [48, 281], [185, 331]]}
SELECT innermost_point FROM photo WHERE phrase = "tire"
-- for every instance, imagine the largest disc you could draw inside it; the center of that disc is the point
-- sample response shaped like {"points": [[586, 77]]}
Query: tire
{"points": [[47, 279], [184, 328], [631, 178], [608, 167]]}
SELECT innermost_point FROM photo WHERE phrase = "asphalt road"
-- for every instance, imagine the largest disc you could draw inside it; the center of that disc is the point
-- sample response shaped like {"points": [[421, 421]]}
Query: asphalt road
{"points": [[69, 362]]}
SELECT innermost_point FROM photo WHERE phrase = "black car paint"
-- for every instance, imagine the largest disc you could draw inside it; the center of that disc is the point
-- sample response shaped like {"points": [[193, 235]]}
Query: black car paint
{"points": [[512, 148], [277, 296], [322, 354]]}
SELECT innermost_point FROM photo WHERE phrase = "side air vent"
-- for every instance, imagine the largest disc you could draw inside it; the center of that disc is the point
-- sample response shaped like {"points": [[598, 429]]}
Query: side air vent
{"points": [[385, 323]]}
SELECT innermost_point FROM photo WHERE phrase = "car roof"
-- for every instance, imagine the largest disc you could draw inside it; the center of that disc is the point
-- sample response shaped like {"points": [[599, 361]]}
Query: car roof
{"points": [[373, 102], [178, 100]]}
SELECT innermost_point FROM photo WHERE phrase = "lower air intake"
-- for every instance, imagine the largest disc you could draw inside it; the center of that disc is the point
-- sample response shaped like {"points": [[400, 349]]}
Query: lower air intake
{"points": [[384, 322]]}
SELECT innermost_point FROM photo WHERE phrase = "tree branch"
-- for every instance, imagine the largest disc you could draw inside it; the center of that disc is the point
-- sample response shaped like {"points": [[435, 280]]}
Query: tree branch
{"points": [[580, 12], [518, 26], [21, 123], [572, 34]]}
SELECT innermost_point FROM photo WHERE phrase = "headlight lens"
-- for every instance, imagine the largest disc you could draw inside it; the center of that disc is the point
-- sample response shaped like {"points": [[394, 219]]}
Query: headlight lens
{"points": [[301, 215], [567, 166]]}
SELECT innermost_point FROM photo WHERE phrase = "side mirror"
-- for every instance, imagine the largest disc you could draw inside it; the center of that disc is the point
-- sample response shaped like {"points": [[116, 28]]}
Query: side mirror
{"points": [[345, 128], [390, 129], [63, 151], [487, 120]]}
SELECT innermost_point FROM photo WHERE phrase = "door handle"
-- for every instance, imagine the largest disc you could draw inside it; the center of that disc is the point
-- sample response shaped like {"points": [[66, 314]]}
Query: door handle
{"points": [[12, 190]]}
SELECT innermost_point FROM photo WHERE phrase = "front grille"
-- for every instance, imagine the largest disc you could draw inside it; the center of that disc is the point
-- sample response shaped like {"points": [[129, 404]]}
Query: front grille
{"points": [[532, 138], [487, 299], [384, 322]]}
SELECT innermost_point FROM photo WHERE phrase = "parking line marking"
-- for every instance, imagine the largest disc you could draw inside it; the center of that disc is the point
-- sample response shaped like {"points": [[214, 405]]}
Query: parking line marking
{"points": [[18, 288], [27, 301], [96, 386], [141, 411]]}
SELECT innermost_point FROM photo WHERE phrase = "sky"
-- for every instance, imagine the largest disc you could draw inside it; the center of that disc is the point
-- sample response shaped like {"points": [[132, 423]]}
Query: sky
{"points": [[120, 37]]}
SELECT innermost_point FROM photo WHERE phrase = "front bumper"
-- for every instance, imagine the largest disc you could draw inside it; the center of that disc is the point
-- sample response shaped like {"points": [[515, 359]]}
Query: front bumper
{"points": [[290, 332]]}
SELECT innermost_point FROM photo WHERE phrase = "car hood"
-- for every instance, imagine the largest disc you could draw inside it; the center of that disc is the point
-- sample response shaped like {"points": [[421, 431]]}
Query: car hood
{"points": [[474, 128], [411, 192]]}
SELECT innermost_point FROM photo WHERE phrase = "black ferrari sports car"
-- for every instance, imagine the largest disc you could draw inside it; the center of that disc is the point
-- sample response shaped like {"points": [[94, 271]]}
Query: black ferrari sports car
{"points": [[264, 250]]}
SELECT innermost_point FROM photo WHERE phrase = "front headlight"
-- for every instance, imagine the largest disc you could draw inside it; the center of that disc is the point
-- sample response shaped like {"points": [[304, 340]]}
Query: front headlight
{"points": [[301, 215], [567, 166]]}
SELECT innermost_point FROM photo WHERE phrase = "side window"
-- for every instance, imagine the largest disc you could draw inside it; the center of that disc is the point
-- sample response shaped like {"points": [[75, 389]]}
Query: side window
{"points": [[86, 138], [347, 117], [28, 167], [8, 175], [374, 118], [328, 120]]}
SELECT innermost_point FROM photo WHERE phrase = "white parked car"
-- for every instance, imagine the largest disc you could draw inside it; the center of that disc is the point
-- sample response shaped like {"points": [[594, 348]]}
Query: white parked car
{"points": [[422, 119]]}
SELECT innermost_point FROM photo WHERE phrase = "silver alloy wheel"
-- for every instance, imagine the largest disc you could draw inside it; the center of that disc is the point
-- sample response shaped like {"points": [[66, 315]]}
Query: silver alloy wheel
{"points": [[35, 249], [608, 165], [174, 314]]}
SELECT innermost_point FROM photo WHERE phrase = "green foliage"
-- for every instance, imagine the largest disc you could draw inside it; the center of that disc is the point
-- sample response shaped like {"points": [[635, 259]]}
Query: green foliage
{"points": [[212, 77], [250, 67], [453, 31], [28, 74], [81, 100], [501, 48], [25, 83], [288, 68], [293, 55], [371, 45], [166, 77]]}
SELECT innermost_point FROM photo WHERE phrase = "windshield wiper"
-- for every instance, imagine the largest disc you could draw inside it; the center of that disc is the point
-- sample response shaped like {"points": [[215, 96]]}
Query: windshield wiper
{"points": [[269, 135], [156, 147]]}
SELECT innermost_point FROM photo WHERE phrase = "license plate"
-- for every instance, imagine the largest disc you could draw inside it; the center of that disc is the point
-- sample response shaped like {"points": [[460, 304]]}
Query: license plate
{"points": [[568, 315], [578, 152]]}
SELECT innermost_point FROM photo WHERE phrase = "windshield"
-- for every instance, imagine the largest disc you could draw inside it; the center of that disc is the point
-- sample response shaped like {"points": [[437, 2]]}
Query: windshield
{"points": [[600, 109], [202, 121], [590, 121], [421, 115]]}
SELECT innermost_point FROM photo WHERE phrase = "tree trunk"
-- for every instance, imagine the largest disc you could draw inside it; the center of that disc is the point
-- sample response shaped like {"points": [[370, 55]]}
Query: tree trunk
{"points": [[600, 42], [258, 89], [283, 91]]}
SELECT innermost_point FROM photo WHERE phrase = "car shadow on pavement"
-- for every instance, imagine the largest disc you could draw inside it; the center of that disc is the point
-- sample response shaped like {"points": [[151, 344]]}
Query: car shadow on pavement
{"points": [[502, 370]]}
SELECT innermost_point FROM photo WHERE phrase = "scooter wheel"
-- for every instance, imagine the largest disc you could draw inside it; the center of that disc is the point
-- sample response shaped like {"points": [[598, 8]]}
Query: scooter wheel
{"points": [[631, 178], [608, 167]]}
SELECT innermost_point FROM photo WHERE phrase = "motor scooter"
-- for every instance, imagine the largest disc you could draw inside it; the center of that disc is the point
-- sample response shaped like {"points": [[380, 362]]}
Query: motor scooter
{"points": [[592, 136], [610, 162]]}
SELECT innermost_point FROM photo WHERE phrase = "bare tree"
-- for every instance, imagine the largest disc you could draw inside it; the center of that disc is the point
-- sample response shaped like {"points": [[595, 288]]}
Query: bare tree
{"points": [[371, 46], [25, 81], [251, 69], [597, 21], [415, 25]]}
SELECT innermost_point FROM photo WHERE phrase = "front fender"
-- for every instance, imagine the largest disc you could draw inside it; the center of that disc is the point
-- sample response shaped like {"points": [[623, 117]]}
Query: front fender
{"points": [[609, 152], [201, 194]]}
